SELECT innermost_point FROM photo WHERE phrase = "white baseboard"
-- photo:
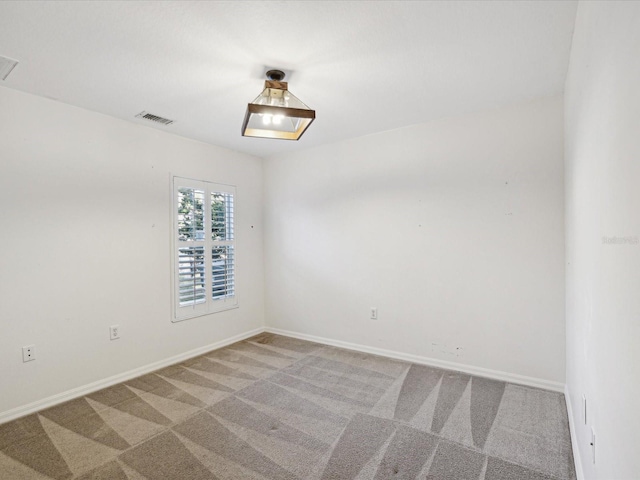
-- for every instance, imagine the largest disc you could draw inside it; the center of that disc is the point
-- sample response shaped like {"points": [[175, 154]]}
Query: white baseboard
{"points": [[107, 382], [122, 377], [574, 439], [434, 362]]}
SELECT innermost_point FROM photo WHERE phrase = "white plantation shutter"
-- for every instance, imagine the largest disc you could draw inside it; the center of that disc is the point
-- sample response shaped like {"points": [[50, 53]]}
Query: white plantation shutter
{"points": [[204, 248], [191, 276], [222, 251]]}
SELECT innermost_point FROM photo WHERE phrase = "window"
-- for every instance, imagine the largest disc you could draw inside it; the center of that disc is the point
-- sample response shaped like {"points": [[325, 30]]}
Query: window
{"points": [[203, 248]]}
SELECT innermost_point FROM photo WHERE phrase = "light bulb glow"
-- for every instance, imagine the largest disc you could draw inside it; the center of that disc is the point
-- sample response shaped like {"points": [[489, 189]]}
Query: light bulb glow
{"points": [[277, 119], [266, 119]]}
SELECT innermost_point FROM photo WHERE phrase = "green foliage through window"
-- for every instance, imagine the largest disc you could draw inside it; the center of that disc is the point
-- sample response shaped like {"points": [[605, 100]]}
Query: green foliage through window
{"points": [[190, 214]]}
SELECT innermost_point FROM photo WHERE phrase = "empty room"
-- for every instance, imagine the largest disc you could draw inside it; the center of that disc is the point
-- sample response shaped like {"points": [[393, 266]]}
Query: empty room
{"points": [[320, 240]]}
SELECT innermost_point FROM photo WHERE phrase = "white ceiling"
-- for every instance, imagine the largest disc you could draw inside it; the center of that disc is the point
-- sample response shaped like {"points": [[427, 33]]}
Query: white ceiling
{"points": [[364, 66]]}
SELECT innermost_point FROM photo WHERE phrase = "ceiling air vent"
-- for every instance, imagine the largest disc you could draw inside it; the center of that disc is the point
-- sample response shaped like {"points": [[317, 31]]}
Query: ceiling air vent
{"points": [[6, 66], [154, 118]]}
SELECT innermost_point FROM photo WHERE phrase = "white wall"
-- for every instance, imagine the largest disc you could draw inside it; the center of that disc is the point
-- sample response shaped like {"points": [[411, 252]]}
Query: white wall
{"points": [[603, 200], [85, 243], [453, 229]]}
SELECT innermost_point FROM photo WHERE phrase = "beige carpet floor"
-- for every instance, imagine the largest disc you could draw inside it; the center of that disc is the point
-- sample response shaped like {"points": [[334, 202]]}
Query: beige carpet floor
{"points": [[277, 408]]}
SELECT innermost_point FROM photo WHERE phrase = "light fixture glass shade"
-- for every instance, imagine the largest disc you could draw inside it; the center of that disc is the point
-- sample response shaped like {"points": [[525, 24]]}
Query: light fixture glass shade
{"points": [[277, 113]]}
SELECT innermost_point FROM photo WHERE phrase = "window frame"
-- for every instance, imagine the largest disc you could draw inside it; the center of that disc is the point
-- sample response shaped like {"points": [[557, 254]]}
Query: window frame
{"points": [[209, 305]]}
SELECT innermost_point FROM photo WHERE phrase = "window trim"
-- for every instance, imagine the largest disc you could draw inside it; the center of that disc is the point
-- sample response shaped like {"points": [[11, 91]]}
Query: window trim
{"points": [[210, 306]]}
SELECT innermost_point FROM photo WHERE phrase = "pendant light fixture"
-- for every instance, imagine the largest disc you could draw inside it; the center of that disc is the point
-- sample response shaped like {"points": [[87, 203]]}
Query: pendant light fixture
{"points": [[276, 112]]}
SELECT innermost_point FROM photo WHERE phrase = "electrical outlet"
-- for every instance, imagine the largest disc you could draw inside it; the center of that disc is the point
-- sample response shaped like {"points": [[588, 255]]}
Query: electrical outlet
{"points": [[374, 313], [114, 332], [28, 353], [593, 445]]}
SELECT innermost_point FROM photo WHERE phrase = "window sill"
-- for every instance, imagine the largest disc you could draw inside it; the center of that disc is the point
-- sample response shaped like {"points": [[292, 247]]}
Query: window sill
{"points": [[204, 314]]}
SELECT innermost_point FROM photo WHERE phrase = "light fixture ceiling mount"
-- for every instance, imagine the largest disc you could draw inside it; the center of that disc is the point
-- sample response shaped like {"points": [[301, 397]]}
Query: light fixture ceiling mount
{"points": [[275, 75], [276, 112]]}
